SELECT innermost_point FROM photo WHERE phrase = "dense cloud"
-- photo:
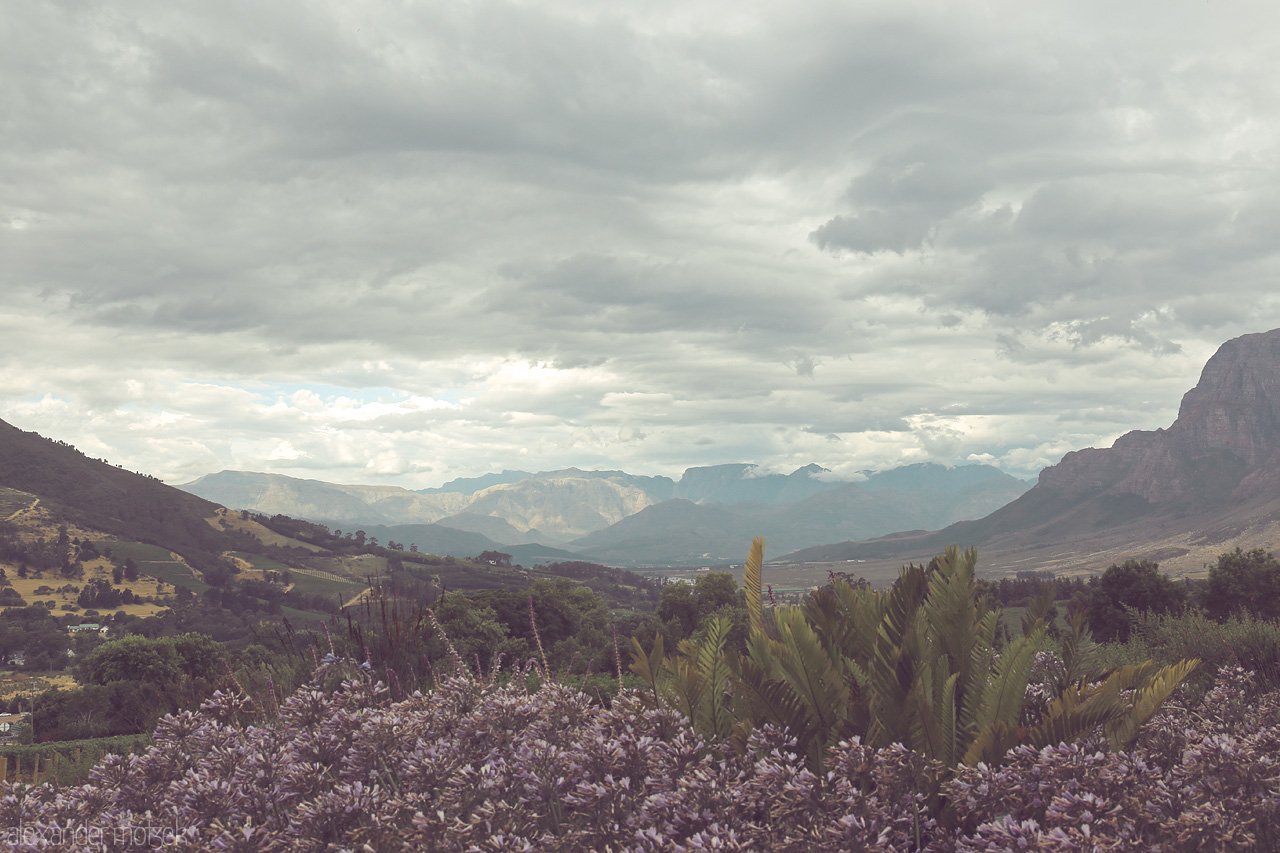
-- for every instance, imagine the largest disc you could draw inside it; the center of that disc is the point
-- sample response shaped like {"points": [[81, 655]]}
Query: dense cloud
{"points": [[402, 244]]}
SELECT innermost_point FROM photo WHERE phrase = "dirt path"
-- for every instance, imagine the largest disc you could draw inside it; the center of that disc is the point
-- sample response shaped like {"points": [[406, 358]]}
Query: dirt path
{"points": [[361, 594], [34, 504]]}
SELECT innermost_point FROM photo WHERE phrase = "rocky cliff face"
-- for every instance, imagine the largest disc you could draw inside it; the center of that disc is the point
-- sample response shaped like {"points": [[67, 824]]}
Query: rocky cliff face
{"points": [[1225, 444]]}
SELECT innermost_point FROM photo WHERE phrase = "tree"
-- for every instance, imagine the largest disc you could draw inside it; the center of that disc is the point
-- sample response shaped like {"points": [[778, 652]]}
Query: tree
{"points": [[1135, 584], [684, 608], [474, 630], [678, 609], [1244, 582], [198, 656], [714, 590], [99, 593], [131, 658]]}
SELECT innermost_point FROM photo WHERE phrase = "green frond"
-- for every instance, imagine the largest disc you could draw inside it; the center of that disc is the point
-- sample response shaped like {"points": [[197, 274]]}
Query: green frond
{"points": [[648, 665], [930, 716], [809, 669], [1005, 694], [1146, 701], [991, 744], [714, 716], [1073, 715], [752, 585]]}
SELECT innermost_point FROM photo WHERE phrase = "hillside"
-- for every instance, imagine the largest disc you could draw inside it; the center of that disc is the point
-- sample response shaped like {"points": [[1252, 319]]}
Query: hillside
{"points": [[1209, 481], [106, 497]]}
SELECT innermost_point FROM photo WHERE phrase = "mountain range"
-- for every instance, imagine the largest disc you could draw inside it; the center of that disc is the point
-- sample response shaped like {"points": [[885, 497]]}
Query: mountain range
{"points": [[1180, 495], [626, 519]]}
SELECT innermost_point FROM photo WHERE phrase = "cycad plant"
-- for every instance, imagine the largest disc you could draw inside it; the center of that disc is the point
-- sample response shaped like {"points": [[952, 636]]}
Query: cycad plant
{"points": [[915, 664]]}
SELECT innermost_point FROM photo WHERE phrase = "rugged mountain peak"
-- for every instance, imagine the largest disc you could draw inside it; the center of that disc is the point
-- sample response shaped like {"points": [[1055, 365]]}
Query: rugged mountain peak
{"points": [[1225, 443], [1236, 405]]}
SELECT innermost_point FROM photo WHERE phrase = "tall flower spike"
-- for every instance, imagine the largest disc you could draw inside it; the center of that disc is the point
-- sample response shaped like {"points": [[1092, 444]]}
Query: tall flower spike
{"points": [[617, 653], [533, 621], [458, 666], [275, 701]]}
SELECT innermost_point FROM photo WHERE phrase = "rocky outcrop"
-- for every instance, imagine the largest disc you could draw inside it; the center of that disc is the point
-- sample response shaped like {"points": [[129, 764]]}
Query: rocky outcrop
{"points": [[1224, 445]]}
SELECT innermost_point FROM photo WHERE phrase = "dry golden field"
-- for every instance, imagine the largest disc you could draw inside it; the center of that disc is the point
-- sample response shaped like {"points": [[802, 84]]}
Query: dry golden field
{"points": [[144, 586], [28, 683]]}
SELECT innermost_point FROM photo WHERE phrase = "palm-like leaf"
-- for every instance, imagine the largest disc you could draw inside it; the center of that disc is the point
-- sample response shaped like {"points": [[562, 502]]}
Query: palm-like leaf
{"points": [[752, 585], [1147, 699], [714, 714], [1006, 692]]}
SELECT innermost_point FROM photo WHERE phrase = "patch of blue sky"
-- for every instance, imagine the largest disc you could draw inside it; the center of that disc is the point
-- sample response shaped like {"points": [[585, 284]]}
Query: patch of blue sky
{"points": [[366, 395], [276, 390], [333, 392]]}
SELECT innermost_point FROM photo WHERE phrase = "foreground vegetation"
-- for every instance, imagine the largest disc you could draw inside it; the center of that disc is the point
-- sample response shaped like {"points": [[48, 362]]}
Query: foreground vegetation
{"points": [[898, 719], [482, 765]]}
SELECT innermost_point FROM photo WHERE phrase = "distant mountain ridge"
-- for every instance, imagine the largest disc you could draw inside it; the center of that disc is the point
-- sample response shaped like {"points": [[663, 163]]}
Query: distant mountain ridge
{"points": [[927, 496], [624, 518]]}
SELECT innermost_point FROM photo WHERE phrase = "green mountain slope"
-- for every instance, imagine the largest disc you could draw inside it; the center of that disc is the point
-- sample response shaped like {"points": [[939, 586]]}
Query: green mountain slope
{"points": [[106, 497]]}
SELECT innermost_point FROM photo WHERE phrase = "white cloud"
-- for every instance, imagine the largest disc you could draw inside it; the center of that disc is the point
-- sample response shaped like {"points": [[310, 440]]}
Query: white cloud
{"points": [[285, 451]]}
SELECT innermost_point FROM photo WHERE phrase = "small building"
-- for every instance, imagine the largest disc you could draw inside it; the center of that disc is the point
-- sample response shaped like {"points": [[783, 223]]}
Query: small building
{"points": [[87, 626]]}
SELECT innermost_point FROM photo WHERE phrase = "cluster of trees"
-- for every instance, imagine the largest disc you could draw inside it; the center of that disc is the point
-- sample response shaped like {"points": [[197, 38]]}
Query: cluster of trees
{"points": [[1020, 591], [684, 607], [40, 636], [128, 684], [1239, 582], [37, 555], [918, 664], [415, 630], [101, 595]]}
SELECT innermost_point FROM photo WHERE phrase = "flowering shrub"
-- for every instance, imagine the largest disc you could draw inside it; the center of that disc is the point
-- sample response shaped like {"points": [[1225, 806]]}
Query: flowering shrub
{"points": [[485, 767], [1207, 780]]}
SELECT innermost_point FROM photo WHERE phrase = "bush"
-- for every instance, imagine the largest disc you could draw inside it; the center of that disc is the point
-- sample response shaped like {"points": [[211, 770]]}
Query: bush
{"points": [[1134, 585], [484, 766], [1244, 641]]}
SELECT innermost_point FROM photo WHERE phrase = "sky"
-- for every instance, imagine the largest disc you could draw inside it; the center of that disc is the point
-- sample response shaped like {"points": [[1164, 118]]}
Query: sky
{"points": [[403, 242]]}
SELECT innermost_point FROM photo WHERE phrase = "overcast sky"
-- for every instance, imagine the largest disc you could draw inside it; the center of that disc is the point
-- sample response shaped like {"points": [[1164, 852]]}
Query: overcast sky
{"points": [[403, 242]]}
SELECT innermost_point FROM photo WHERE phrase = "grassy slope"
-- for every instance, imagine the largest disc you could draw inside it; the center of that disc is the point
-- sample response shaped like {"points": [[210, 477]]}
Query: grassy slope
{"points": [[104, 496]]}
